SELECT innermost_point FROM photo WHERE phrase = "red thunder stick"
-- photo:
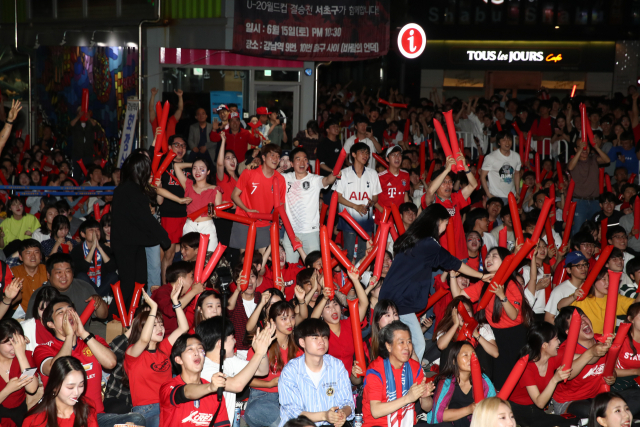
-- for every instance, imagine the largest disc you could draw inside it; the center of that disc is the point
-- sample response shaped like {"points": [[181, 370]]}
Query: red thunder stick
{"points": [[380, 160], [288, 228], [323, 212], [612, 304], [202, 254], [358, 343], [423, 159], [513, 378], [317, 167], [552, 196], [354, 224], [583, 122], [340, 256], [85, 105], [382, 247], [593, 273], [476, 379], [524, 251], [88, 311], [548, 230], [523, 193], [163, 167], [567, 226], [339, 162], [437, 296], [527, 149], [453, 139], [157, 148], [515, 219], [397, 218], [560, 176], [612, 354], [502, 237], [155, 163], [394, 233], [248, 256], [261, 216], [430, 143], [601, 180], [79, 203], [568, 198], [632, 178], [213, 261], [117, 295], [544, 215], [607, 183], [165, 117], [325, 253], [443, 142], [636, 217], [451, 238], [332, 213], [83, 168], [96, 211], [538, 178], [430, 173], [275, 256], [572, 340], [368, 259], [135, 300]]}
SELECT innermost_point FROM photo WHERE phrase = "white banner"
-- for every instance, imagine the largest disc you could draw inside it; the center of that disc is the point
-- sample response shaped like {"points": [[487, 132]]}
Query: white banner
{"points": [[129, 130]]}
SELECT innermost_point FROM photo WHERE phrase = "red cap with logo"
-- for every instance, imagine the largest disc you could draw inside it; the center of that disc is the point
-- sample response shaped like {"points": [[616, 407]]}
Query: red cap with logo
{"points": [[262, 111], [234, 115]]}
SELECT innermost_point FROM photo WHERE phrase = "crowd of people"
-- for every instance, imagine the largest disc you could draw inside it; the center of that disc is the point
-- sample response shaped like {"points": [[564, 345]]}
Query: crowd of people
{"points": [[391, 333]]}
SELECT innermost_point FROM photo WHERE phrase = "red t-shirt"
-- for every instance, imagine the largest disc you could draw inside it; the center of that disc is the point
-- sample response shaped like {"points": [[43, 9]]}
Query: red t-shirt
{"points": [[226, 186], [626, 357], [289, 273], [272, 370], [393, 190], [257, 192], [43, 337], [40, 419], [376, 389], [239, 143], [454, 206], [162, 296], [585, 385], [542, 127], [197, 413], [531, 376], [341, 347], [636, 133], [83, 353], [16, 398], [148, 372], [513, 295]]}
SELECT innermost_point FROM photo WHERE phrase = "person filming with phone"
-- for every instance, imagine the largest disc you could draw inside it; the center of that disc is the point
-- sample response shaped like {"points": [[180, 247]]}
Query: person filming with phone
{"points": [[365, 136]]}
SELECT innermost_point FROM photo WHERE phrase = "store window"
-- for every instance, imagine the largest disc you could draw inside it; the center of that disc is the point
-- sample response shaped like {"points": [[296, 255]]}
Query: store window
{"points": [[277, 76]]}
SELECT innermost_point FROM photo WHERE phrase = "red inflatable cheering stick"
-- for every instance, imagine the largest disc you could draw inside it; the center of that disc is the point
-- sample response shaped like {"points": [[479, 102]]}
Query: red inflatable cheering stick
{"points": [[358, 343], [382, 247], [593, 272], [333, 206], [213, 261], [135, 300], [612, 355], [202, 254], [248, 259], [275, 257], [354, 224], [476, 379], [513, 377], [325, 253], [339, 162], [572, 340], [88, 311], [84, 107], [612, 304], [117, 296]]}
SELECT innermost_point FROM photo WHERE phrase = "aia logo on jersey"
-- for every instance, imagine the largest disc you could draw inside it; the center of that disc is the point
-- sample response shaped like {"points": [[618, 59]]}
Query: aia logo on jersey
{"points": [[198, 419], [162, 366], [358, 196]]}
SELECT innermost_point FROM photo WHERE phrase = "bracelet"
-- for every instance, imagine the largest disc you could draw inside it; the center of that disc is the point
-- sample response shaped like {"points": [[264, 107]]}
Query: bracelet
{"points": [[9, 123], [151, 315], [86, 340], [177, 306], [6, 303]]}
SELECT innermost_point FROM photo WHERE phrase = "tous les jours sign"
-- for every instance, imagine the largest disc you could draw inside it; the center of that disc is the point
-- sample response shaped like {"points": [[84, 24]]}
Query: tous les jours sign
{"points": [[513, 55]]}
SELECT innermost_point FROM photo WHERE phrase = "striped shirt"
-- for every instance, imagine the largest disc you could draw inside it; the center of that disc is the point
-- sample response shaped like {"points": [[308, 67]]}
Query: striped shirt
{"points": [[299, 394]]}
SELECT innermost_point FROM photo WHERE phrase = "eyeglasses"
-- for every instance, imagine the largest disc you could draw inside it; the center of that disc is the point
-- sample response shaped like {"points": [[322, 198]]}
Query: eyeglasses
{"points": [[582, 266], [175, 144], [588, 245]]}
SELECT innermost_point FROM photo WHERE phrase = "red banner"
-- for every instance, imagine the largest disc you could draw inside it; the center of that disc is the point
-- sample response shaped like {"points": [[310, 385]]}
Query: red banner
{"points": [[318, 30]]}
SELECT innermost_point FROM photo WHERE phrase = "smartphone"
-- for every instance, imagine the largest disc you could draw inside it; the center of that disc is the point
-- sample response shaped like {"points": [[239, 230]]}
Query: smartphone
{"points": [[369, 129], [28, 372]]}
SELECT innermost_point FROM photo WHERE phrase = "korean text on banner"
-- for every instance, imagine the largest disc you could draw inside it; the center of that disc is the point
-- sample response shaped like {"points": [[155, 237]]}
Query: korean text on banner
{"points": [[128, 130], [319, 30]]}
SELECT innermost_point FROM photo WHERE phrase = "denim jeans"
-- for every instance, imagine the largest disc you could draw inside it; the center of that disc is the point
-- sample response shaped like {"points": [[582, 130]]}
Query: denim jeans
{"points": [[585, 209], [151, 413], [109, 420], [153, 267], [263, 409], [310, 243], [350, 243], [417, 337]]}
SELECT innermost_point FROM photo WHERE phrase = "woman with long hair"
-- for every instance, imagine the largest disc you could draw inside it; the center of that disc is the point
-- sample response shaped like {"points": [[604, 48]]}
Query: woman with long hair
{"points": [[417, 254], [493, 412], [47, 214], [226, 178], [208, 305], [263, 407], [64, 402], [453, 399], [14, 360], [508, 313], [261, 314], [384, 313], [33, 328], [105, 229], [198, 195], [610, 410], [543, 372], [481, 338], [147, 359], [59, 238], [134, 227]]}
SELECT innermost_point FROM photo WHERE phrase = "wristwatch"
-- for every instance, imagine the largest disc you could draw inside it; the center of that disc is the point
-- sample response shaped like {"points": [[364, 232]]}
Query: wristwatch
{"points": [[86, 340], [505, 299]]}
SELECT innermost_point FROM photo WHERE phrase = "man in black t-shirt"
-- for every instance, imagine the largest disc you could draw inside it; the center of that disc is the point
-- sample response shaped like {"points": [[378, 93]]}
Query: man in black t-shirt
{"points": [[329, 147], [173, 215], [377, 126]]}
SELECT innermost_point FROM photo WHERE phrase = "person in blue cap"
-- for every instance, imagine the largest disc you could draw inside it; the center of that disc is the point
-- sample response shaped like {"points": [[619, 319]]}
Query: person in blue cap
{"points": [[577, 268]]}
